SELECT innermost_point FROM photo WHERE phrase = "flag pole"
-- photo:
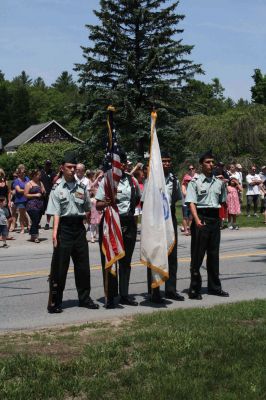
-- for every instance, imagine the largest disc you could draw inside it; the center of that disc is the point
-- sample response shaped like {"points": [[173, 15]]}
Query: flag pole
{"points": [[153, 125], [110, 125], [112, 245], [157, 234], [110, 111]]}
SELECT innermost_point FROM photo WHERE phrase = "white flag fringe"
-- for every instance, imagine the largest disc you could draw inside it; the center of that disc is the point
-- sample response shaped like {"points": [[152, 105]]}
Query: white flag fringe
{"points": [[157, 231]]}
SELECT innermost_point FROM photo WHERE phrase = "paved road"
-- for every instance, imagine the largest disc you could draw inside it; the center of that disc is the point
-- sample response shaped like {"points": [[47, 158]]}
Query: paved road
{"points": [[24, 268]]}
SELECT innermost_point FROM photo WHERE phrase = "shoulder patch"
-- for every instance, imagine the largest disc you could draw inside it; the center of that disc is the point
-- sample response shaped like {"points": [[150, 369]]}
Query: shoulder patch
{"points": [[172, 177], [55, 186]]}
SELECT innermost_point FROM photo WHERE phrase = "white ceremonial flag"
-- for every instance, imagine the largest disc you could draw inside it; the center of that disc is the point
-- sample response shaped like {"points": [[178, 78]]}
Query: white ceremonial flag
{"points": [[157, 231]]}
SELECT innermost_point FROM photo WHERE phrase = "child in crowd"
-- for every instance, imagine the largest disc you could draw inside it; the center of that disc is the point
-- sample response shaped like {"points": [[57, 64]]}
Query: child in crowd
{"points": [[3, 220], [221, 174], [95, 219], [93, 185], [233, 202], [139, 176]]}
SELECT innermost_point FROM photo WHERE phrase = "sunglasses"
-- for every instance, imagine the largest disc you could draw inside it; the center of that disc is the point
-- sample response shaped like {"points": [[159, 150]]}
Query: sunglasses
{"points": [[191, 169]]}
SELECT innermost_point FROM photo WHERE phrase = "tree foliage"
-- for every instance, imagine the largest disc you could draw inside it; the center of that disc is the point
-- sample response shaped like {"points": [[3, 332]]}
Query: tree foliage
{"points": [[24, 102], [258, 91], [136, 61], [64, 83], [205, 98], [237, 134]]}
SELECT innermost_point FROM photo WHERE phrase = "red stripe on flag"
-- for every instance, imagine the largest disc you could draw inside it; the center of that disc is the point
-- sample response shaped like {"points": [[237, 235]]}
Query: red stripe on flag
{"points": [[118, 232]]}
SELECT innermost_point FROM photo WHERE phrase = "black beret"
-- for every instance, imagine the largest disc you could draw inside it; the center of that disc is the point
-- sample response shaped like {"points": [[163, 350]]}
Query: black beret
{"points": [[165, 154], [207, 154], [70, 157]]}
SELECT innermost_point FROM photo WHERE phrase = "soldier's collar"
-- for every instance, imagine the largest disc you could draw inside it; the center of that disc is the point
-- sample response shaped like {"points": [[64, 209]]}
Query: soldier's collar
{"points": [[170, 176], [207, 178], [64, 182]]}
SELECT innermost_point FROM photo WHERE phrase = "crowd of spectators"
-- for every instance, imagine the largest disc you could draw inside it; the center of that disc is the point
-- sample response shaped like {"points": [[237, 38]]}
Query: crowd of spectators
{"points": [[25, 198], [232, 176]]}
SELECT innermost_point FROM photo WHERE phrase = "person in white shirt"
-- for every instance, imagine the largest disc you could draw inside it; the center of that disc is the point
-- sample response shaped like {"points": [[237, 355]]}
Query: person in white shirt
{"points": [[80, 175], [253, 190]]}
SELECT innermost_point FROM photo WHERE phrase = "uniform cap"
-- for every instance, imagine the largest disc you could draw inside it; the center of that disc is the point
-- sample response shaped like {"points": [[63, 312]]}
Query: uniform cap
{"points": [[207, 154], [70, 158], [165, 154], [238, 166], [264, 167]]}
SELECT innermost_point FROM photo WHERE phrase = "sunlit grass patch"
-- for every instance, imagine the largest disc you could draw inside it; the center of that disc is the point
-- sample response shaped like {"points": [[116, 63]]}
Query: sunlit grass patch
{"points": [[214, 353]]}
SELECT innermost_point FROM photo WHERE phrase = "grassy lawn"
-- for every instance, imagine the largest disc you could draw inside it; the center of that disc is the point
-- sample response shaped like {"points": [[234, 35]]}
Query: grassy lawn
{"points": [[215, 353]]}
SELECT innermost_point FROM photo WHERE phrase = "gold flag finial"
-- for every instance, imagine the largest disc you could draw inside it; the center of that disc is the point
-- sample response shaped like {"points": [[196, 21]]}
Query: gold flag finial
{"points": [[111, 108], [154, 114]]}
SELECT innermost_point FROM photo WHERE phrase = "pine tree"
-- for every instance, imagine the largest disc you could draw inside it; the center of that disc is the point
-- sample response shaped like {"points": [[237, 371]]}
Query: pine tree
{"points": [[136, 61], [5, 115], [22, 79], [258, 91], [20, 109], [64, 83], [39, 83]]}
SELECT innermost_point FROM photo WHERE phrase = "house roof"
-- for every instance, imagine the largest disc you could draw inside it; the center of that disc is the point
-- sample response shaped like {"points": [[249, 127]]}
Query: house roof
{"points": [[31, 132]]}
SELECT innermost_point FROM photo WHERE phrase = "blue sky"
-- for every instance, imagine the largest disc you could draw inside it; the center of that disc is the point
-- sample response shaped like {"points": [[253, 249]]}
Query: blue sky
{"points": [[43, 37]]}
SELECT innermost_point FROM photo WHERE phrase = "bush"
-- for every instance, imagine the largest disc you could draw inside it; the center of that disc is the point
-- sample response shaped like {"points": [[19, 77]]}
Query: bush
{"points": [[8, 162], [34, 155]]}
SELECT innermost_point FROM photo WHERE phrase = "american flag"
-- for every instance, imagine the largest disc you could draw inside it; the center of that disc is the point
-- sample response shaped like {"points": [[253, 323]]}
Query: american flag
{"points": [[112, 246]]}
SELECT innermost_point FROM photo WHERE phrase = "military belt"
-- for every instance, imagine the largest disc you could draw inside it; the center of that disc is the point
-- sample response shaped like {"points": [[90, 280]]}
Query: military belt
{"points": [[208, 212], [126, 217], [72, 220]]}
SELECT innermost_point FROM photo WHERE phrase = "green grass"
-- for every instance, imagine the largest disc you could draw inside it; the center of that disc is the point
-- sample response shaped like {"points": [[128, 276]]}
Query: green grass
{"points": [[216, 353]]}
